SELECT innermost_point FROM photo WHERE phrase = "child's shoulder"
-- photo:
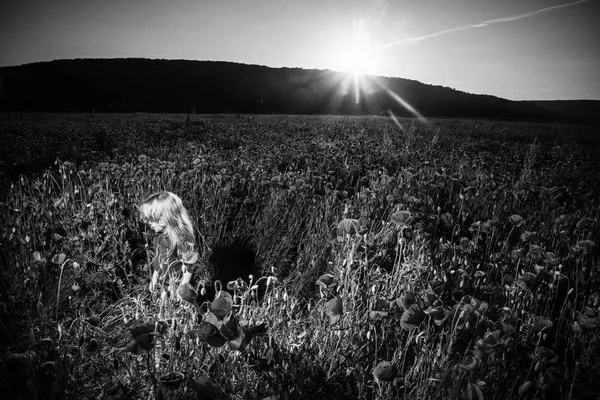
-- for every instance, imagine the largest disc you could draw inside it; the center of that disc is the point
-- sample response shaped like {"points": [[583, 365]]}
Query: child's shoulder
{"points": [[185, 247], [161, 240]]}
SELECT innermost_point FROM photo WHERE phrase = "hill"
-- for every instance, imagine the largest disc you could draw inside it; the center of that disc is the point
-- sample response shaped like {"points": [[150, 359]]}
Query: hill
{"points": [[147, 85], [576, 110]]}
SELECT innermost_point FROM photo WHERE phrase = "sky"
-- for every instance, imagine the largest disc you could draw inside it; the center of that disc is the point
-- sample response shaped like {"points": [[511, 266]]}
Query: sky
{"points": [[515, 49]]}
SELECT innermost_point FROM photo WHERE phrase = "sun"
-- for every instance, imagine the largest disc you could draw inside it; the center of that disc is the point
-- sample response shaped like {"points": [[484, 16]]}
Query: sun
{"points": [[356, 59]]}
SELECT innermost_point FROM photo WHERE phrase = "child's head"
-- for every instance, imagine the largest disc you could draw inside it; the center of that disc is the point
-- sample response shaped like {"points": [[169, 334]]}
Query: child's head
{"points": [[165, 213]]}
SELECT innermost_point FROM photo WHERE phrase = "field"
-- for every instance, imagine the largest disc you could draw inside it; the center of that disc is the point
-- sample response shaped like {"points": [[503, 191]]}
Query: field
{"points": [[441, 260]]}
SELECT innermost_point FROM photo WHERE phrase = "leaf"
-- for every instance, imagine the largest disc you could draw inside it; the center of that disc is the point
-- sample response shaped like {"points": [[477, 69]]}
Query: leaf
{"points": [[37, 256]]}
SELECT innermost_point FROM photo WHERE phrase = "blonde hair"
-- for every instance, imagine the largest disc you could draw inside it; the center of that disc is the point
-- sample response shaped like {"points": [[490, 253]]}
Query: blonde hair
{"points": [[168, 208]]}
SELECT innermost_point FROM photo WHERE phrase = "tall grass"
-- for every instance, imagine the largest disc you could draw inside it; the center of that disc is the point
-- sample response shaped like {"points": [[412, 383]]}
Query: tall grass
{"points": [[473, 271]]}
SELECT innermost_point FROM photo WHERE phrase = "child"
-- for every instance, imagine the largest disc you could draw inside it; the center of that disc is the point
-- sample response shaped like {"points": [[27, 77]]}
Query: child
{"points": [[169, 219]]}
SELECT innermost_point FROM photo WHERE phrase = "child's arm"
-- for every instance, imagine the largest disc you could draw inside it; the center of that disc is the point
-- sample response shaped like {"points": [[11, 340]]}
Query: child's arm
{"points": [[187, 276], [154, 280]]}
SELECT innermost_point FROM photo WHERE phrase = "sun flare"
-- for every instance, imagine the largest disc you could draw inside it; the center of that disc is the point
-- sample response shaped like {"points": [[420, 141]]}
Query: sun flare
{"points": [[356, 59]]}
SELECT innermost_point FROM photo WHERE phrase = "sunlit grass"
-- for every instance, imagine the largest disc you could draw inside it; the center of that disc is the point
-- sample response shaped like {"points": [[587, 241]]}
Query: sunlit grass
{"points": [[450, 269]]}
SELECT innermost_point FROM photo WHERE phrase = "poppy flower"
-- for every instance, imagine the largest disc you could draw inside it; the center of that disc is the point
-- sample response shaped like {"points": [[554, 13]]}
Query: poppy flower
{"points": [[246, 335], [144, 334], [385, 371], [204, 330], [207, 389], [401, 218], [222, 305], [412, 317], [172, 379], [325, 280], [447, 220], [187, 293], [349, 226], [584, 223], [526, 388], [439, 314], [230, 329], [516, 220], [407, 299], [381, 305], [334, 307]]}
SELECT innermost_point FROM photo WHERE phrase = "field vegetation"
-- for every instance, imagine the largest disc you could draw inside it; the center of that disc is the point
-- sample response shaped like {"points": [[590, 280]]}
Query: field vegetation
{"points": [[439, 260]]}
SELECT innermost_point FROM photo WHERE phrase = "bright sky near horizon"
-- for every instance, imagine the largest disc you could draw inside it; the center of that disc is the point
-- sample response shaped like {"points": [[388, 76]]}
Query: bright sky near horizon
{"points": [[515, 49]]}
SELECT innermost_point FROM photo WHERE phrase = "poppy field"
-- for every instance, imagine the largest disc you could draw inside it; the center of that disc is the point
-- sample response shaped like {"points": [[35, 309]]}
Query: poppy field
{"points": [[349, 258]]}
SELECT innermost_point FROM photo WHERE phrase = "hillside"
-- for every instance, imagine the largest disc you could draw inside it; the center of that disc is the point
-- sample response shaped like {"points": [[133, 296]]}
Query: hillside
{"points": [[576, 110], [145, 85]]}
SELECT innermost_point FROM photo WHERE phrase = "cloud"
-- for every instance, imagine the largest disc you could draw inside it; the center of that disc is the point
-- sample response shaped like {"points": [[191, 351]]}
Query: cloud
{"points": [[482, 24]]}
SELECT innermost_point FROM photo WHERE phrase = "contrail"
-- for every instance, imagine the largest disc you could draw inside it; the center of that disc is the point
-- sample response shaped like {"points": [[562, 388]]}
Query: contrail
{"points": [[482, 24]]}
